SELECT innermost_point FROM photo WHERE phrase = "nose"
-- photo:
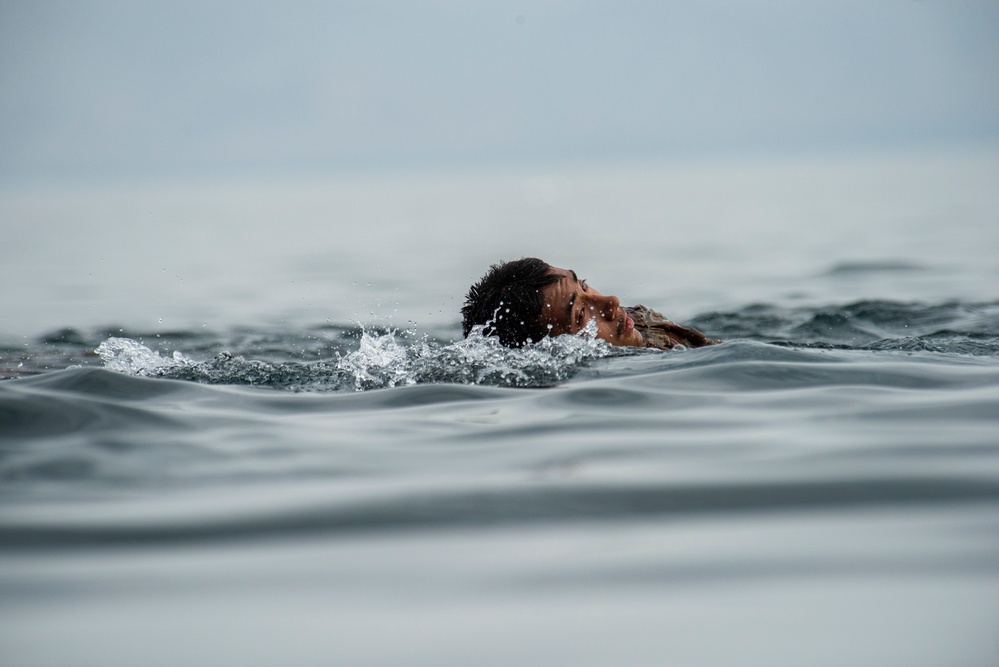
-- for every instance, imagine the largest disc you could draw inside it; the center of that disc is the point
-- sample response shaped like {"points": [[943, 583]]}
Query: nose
{"points": [[607, 306]]}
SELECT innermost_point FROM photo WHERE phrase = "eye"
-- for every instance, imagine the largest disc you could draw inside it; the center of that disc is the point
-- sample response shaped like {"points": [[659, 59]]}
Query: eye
{"points": [[584, 285]]}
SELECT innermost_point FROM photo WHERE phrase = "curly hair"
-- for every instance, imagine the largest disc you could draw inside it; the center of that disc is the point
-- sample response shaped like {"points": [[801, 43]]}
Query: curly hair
{"points": [[507, 301]]}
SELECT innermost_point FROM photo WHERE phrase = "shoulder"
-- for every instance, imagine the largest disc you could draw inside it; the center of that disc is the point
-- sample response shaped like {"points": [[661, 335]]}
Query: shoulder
{"points": [[646, 315], [661, 332]]}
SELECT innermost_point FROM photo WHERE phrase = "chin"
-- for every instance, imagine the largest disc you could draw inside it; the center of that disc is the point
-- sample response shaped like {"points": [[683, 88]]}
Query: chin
{"points": [[630, 338], [632, 341], [626, 341]]}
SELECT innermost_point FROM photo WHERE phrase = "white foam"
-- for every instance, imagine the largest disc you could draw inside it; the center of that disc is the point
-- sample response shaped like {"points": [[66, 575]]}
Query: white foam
{"points": [[128, 356], [382, 360], [378, 361]]}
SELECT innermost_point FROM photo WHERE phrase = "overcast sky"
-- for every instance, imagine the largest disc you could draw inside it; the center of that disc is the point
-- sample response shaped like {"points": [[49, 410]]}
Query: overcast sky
{"points": [[110, 89]]}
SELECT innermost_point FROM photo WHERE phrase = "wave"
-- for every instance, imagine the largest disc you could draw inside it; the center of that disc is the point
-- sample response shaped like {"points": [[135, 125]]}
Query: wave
{"points": [[351, 357], [159, 421], [488, 504], [380, 361], [952, 327]]}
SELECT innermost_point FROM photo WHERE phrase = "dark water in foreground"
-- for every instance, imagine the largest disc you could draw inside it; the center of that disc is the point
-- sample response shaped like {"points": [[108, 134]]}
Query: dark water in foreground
{"points": [[823, 488]]}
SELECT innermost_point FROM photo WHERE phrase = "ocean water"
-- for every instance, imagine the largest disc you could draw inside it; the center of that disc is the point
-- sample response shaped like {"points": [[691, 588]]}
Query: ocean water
{"points": [[239, 425]]}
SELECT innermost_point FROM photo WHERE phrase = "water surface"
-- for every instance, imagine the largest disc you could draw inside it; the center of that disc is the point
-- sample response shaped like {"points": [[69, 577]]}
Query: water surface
{"points": [[219, 444]]}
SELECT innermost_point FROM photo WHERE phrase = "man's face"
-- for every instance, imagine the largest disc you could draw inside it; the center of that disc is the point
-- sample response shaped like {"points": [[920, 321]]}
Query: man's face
{"points": [[569, 304]]}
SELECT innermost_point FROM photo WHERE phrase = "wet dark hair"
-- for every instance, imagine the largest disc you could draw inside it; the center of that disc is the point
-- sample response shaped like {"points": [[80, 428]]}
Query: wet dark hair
{"points": [[507, 301]]}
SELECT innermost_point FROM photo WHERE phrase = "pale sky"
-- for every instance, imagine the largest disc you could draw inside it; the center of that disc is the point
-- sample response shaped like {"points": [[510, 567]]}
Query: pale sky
{"points": [[150, 89]]}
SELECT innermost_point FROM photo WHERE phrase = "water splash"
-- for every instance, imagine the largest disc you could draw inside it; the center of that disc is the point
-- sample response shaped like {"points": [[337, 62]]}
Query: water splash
{"points": [[380, 361], [128, 356]]}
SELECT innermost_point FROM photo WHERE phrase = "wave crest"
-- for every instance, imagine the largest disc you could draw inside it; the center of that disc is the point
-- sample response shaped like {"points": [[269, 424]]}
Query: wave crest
{"points": [[380, 361]]}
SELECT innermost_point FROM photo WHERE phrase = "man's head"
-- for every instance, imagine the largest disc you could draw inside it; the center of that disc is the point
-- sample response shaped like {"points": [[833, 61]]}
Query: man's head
{"points": [[507, 301], [529, 299]]}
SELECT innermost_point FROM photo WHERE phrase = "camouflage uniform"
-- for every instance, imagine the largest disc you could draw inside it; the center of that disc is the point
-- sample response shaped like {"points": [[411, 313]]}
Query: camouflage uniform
{"points": [[663, 334]]}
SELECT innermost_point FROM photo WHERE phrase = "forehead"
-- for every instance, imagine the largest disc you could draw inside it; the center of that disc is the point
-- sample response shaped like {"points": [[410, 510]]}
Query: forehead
{"points": [[566, 282], [564, 273], [556, 296]]}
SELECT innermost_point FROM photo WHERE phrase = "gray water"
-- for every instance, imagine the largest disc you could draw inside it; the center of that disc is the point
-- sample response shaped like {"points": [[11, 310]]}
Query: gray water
{"points": [[240, 425]]}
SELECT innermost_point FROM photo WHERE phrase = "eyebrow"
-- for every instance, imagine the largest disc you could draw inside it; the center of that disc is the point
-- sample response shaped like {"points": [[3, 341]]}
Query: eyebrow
{"points": [[572, 300]]}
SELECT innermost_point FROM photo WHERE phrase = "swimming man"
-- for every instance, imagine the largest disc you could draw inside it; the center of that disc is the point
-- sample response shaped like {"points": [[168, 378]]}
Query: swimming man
{"points": [[527, 299]]}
